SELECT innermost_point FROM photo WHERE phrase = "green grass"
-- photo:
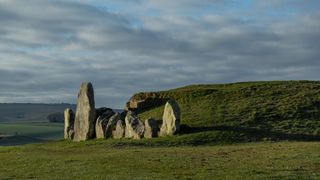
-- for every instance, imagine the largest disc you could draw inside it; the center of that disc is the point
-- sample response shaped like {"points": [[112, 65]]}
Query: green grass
{"points": [[288, 107], [98, 159], [35, 130], [218, 122]]}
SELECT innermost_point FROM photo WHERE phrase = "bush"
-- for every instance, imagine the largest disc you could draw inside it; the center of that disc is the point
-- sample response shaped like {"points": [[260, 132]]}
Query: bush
{"points": [[56, 117]]}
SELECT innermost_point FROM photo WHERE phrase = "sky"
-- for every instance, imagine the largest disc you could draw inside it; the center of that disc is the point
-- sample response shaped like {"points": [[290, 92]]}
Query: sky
{"points": [[49, 47]]}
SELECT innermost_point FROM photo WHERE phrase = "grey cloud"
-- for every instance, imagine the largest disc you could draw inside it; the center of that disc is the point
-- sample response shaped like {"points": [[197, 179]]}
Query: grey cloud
{"points": [[48, 48]]}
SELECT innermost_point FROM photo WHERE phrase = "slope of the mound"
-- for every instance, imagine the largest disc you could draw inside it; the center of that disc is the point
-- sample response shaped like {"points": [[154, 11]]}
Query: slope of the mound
{"points": [[291, 107]]}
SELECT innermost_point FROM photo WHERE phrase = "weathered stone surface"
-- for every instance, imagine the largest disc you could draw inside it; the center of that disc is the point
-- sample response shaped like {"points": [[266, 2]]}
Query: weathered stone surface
{"points": [[118, 133], [102, 110], [129, 117], [68, 123], [111, 124], [71, 133], [171, 119], [150, 128], [106, 123], [143, 101], [102, 122], [134, 127], [84, 126]]}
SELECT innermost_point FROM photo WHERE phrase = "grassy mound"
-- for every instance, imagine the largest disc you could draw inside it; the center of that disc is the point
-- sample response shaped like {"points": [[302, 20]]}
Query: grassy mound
{"points": [[276, 109]]}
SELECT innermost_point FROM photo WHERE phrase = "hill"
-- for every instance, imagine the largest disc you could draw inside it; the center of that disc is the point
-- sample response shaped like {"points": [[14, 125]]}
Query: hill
{"points": [[276, 109]]}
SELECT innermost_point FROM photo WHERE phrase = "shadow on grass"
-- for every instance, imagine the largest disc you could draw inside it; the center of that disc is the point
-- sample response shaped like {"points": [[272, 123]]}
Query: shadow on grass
{"points": [[253, 134], [19, 140], [216, 135]]}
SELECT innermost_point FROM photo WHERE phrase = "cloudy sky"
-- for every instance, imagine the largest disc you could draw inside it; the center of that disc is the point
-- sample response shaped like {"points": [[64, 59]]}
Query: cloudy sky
{"points": [[47, 48]]}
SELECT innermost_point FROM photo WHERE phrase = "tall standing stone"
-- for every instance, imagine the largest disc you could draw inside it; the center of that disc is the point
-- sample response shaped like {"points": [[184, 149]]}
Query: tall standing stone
{"points": [[170, 119], [68, 124], [84, 126]]}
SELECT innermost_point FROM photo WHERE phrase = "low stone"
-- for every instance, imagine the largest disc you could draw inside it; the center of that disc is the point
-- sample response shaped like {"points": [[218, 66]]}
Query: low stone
{"points": [[151, 128], [170, 119], [102, 110], [134, 127], [68, 124], [119, 132], [102, 123], [111, 124]]}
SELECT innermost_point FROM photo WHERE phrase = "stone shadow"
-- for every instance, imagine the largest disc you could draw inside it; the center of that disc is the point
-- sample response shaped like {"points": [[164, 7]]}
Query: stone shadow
{"points": [[253, 134]]}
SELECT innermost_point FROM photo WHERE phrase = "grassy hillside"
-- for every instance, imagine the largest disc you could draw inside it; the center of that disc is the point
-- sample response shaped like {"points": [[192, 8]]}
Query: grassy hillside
{"points": [[106, 160], [287, 109]]}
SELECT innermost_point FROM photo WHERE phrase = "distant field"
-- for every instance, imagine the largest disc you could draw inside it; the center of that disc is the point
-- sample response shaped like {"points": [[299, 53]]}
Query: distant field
{"points": [[37, 130], [13, 112], [105, 159], [29, 121]]}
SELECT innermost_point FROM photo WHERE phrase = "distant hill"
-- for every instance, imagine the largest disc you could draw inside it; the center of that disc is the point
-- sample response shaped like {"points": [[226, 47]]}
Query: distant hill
{"points": [[25, 112], [30, 122], [276, 108], [28, 112]]}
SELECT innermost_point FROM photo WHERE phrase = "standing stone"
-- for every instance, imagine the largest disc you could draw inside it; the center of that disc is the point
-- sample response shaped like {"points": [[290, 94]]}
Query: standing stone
{"points": [[84, 126], [134, 127], [68, 123], [118, 133], [101, 111], [170, 119], [101, 127], [102, 122], [129, 117], [111, 124], [151, 128]]}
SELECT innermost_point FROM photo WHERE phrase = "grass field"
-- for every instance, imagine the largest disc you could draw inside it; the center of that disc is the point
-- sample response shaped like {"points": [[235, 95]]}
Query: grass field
{"points": [[28, 132], [108, 160], [36, 130]]}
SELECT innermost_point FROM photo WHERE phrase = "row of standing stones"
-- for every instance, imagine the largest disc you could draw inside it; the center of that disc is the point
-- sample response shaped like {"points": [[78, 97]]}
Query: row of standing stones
{"points": [[88, 122]]}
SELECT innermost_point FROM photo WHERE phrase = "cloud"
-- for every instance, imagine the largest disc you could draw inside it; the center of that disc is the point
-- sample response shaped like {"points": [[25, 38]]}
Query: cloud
{"points": [[47, 48]]}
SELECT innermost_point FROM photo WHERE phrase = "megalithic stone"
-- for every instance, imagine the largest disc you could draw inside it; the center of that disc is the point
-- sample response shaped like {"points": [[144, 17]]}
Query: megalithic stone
{"points": [[68, 123], [170, 119], [84, 125]]}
